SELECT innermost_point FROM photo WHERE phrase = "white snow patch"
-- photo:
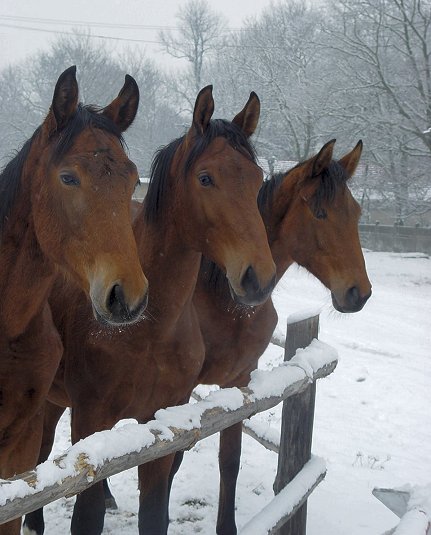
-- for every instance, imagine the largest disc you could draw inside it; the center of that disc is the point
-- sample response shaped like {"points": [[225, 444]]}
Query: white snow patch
{"points": [[305, 363], [303, 314], [414, 522]]}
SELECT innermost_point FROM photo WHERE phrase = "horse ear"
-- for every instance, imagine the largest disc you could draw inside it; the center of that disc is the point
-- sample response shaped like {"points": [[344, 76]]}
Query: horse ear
{"points": [[322, 160], [204, 108], [350, 161], [122, 110], [64, 101], [248, 117]]}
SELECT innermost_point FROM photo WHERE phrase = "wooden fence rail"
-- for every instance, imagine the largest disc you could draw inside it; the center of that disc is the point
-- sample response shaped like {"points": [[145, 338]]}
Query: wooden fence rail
{"points": [[288, 502], [177, 428]]}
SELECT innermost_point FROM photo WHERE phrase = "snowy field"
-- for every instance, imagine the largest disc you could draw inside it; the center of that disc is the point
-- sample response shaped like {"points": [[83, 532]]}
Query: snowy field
{"points": [[372, 422]]}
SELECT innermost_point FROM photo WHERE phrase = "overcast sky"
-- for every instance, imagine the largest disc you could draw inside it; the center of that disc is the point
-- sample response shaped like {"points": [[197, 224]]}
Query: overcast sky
{"points": [[16, 43]]}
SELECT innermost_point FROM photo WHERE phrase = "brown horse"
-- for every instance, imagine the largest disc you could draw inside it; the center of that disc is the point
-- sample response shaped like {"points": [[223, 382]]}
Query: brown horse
{"points": [[201, 199], [312, 219], [64, 206]]}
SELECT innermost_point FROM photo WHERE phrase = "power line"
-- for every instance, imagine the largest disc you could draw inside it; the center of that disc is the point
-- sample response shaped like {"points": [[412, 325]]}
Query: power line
{"points": [[64, 32], [108, 37], [85, 23], [108, 25], [98, 24]]}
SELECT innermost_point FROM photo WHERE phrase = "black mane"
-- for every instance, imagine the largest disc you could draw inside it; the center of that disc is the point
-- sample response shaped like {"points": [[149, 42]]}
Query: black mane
{"points": [[329, 182], [159, 175], [267, 190], [10, 177], [10, 180]]}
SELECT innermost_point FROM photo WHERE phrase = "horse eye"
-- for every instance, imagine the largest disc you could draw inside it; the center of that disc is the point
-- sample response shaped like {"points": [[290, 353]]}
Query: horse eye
{"points": [[69, 180], [206, 181]]}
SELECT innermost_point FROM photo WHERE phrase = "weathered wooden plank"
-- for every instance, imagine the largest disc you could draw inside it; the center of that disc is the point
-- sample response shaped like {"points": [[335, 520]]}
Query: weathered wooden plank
{"points": [[297, 425], [82, 473], [395, 500], [287, 502], [254, 430]]}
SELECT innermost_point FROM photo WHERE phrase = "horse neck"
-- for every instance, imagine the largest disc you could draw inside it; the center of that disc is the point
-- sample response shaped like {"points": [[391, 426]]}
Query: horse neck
{"points": [[170, 264], [26, 274], [276, 213]]}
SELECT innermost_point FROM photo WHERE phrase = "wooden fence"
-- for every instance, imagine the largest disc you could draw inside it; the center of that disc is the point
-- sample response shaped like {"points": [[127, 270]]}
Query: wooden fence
{"points": [[396, 239], [179, 428]]}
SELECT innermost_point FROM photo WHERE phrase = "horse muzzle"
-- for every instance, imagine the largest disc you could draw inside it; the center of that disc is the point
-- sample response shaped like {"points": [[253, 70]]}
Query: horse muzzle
{"points": [[252, 293], [117, 310], [352, 300]]}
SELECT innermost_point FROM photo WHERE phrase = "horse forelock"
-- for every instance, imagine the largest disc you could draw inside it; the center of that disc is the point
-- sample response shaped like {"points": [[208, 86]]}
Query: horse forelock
{"points": [[160, 173], [85, 117], [330, 181], [325, 185], [225, 129]]}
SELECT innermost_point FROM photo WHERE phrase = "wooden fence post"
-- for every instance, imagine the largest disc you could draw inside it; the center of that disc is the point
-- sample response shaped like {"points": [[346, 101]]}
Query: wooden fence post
{"points": [[297, 424]]}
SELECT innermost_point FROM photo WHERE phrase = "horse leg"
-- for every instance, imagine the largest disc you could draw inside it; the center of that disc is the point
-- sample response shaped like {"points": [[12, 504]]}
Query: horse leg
{"points": [[178, 459], [229, 462], [89, 511], [110, 502], [20, 455], [34, 523], [154, 485]]}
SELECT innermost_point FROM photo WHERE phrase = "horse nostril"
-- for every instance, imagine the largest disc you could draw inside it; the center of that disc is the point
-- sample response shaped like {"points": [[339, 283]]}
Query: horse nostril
{"points": [[249, 281], [352, 296], [116, 303]]}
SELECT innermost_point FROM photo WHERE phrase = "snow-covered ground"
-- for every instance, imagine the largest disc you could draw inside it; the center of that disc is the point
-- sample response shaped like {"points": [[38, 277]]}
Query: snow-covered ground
{"points": [[372, 422]]}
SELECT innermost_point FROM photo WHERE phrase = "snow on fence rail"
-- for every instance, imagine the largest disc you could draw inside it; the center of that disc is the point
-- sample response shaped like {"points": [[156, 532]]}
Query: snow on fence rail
{"points": [[177, 428], [285, 504]]}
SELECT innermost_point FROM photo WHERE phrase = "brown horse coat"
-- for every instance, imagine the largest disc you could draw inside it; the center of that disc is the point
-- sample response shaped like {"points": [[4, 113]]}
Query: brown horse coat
{"points": [[51, 219]]}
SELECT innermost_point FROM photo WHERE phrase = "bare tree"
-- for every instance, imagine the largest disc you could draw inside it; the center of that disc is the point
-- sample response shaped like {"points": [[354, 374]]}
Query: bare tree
{"points": [[198, 35], [17, 115], [277, 55], [27, 92], [390, 42], [383, 49]]}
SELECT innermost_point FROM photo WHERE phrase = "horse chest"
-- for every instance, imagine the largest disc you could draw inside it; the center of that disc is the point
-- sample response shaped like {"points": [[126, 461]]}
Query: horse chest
{"points": [[176, 371], [236, 351]]}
